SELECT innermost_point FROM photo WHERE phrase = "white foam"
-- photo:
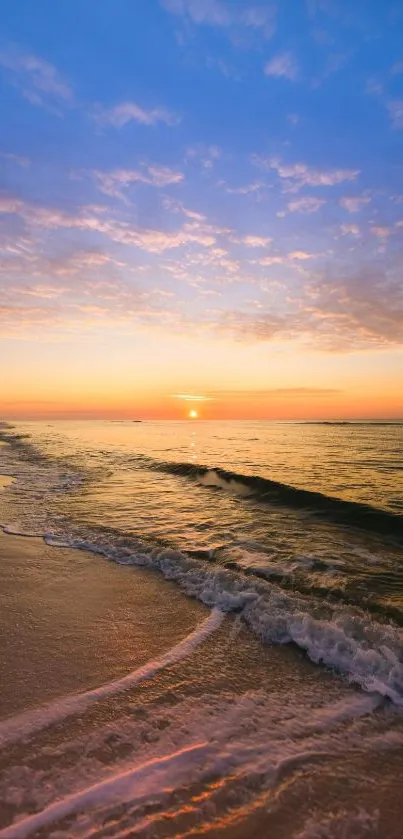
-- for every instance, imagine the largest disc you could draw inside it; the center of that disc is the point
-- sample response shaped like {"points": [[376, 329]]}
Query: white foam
{"points": [[23, 725], [351, 642], [137, 786], [221, 738], [368, 653]]}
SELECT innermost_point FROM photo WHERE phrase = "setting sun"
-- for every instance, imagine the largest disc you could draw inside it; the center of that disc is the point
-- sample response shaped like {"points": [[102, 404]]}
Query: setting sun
{"points": [[193, 415]]}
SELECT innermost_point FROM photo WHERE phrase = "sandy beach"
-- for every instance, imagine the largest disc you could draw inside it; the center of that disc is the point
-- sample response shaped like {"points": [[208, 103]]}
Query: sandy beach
{"points": [[70, 620]]}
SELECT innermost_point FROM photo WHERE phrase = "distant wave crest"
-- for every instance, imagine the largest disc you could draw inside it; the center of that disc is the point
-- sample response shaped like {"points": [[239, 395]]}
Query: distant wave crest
{"points": [[338, 510]]}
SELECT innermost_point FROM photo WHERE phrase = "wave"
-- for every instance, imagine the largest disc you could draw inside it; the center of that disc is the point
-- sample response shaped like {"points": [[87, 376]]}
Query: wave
{"points": [[352, 513], [347, 640]]}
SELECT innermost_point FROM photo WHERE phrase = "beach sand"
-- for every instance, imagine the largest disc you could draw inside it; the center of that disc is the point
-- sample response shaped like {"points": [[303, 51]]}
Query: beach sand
{"points": [[70, 620], [212, 734]]}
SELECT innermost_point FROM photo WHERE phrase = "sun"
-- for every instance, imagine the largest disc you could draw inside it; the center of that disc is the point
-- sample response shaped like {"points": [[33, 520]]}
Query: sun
{"points": [[193, 414]]}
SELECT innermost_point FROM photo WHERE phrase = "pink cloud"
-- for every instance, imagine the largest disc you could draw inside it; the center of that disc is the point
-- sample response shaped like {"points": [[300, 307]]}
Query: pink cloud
{"points": [[350, 230], [354, 204], [37, 79], [283, 66], [112, 183], [120, 115], [229, 16], [306, 204], [153, 241], [300, 174]]}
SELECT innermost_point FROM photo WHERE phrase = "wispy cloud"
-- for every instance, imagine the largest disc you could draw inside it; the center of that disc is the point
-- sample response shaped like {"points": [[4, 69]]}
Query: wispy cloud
{"points": [[177, 207], [15, 158], [37, 79], [287, 259], [256, 186], [112, 183], [360, 312], [191, 397], [297, 175], [226, 69], [355, 203], [395, 109], [349, 230], [257, 241], [306, 204], [120, 115], [269, 393], [203, 155], [381, 232], [122, 231], [283, 66], [226, 15]]}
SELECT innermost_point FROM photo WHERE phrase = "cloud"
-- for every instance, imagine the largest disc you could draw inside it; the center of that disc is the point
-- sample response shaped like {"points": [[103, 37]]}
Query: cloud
{"points": [[293, 256], [112, 183], [24, 162], [126, 112], [305, 205], [38, 81], [80, 307], [297, 175], [151, 240], [191, 397], [223, 67], [256, 241], [256, 186], [300, 255], [381, 232], [268, 393], [204, 155], [354, 204], [359, 312], [282, 66], [229, 16], [349, 230], [176, 206], [395, 109]]}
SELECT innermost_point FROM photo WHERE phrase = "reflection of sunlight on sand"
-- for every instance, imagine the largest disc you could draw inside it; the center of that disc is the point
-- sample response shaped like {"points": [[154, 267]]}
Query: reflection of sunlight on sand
{"points": [[5, 481]]}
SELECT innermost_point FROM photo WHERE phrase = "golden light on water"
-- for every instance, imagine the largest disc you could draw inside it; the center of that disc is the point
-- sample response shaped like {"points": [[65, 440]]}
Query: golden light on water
{"points": [[193, 414]]}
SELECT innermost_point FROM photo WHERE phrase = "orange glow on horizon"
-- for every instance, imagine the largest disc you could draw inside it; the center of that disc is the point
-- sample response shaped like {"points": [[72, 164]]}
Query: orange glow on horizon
{"points": [[216, 380]]}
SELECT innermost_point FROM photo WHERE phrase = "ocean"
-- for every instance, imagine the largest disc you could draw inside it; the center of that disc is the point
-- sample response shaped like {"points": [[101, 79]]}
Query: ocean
{"points": [[267, 563]]}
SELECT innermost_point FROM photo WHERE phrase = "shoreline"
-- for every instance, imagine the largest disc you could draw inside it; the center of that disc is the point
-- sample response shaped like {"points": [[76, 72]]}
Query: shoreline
{"points": [[130, 708], [71, 620]]}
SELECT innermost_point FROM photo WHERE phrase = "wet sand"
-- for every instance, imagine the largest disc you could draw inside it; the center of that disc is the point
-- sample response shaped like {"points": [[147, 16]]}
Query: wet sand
{"points": [[70, 620], [226, 737]]}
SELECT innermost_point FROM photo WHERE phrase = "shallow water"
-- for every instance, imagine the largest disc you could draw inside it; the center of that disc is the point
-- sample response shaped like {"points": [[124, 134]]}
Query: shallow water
{"points": [[297, 529]]}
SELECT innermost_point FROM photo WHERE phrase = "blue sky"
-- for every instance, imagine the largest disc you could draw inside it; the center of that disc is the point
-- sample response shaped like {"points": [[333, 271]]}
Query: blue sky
{"points": [[216, 167]]}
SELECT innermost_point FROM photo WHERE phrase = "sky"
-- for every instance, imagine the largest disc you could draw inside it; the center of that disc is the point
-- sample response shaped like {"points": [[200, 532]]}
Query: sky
{"points": [[201, 209]]}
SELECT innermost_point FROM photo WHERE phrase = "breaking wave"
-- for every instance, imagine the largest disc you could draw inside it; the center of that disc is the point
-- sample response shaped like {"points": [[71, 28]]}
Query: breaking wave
{"points": [[337, 510], [349, 641]]}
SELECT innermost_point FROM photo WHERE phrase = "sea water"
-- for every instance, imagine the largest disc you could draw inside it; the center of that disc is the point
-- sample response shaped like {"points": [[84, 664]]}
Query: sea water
{"points": [[291, 535]]}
